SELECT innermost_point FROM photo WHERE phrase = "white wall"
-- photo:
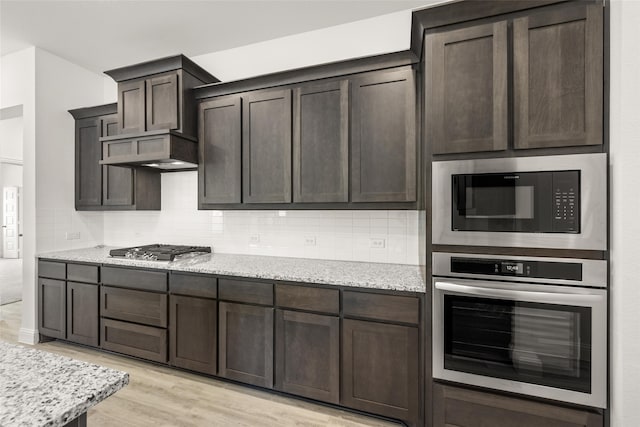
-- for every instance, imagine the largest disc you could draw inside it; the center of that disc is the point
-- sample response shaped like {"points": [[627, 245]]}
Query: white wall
{"points": [[625, 211], [11, 139], [344, 235]]}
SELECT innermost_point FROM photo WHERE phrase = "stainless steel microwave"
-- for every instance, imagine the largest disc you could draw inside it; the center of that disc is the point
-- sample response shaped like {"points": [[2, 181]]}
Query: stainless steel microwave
{"points": [[557, 202]]}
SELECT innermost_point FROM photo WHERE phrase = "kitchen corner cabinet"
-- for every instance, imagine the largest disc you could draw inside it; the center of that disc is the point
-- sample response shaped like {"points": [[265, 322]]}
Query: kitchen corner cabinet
{"points": [[266, 139], [108, 187], [383, 137], [220, 151], [467, 89], [460, 407], [557, 77]]}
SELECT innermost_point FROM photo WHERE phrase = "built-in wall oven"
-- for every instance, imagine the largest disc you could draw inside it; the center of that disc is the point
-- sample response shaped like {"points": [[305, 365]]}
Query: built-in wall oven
{"points": [[529, 325], [555, 202]]}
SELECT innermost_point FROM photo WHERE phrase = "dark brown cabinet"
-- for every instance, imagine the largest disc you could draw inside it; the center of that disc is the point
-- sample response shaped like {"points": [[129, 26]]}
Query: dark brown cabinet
{"points": [[383, 137], [220, 151], [131, 110], [380, 369], [558, 77], [162, 108], [52, 304], [82, 313], [108, 187], [467, 89], [266, 145], [146, 342], [321, 142], [308, 355], [88, 153], [245, 340], [459, 407], [193, 332]]}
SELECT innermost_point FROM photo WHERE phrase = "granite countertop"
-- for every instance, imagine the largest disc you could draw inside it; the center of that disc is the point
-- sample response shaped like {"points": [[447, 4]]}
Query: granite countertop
{"points": [[44, 389], [399, 277]]}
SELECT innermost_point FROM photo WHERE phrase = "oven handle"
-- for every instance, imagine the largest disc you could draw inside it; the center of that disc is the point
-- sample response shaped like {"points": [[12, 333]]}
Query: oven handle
{"points": [[550, 297]]}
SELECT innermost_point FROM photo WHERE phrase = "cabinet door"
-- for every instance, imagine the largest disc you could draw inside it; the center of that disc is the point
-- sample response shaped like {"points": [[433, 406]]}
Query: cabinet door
{"points": [[321, 143], [558, 77], [117, 181], [458, 407], [220, 151], [163, 102], [266, 139], [136, 340], [131, 111], [380, 369], [383, 137], [192, 332], [88, 174], [466, 87], [82, 313], [246, 343], [307, 355], [52, 307]]}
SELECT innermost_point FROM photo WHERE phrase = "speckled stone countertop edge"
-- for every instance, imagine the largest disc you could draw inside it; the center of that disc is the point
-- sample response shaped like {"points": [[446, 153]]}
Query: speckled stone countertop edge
{"points": [[356, 274]]}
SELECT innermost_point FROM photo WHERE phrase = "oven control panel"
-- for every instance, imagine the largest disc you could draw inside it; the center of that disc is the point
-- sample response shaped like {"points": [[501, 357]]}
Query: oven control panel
{"points": [[517, 268]]}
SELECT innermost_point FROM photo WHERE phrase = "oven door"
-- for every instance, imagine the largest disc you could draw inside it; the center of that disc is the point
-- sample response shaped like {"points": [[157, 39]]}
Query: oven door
{"points": [[538, 340]]}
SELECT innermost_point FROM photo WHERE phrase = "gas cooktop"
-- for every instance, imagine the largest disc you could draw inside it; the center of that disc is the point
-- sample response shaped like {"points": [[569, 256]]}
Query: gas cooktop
{"points": [[158, 252]]}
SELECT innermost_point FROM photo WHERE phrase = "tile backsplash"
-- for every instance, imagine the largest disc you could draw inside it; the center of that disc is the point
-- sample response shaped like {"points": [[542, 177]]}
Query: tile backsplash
{"points": [[372, 235]]}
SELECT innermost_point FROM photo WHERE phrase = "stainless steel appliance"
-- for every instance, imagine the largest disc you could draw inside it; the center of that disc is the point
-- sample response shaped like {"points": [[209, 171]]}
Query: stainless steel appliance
{"points": [[158, 252], [535, 326], [538, 202]]}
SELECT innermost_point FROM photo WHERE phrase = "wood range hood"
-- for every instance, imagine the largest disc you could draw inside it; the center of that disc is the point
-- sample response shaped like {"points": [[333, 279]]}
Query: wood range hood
{"points": [[157, 120]]}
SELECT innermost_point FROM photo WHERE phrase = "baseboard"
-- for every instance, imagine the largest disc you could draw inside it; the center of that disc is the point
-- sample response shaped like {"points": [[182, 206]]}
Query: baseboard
{"points": [[28, 336]]}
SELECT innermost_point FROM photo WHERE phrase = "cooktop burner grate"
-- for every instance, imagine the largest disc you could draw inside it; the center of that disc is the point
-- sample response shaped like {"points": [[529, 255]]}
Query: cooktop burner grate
{"points": [[158, 252]]}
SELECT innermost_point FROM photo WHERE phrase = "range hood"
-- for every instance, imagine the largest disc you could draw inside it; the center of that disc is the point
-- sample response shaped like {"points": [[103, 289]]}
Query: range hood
{"points": [[163, 150], [157, 115]]}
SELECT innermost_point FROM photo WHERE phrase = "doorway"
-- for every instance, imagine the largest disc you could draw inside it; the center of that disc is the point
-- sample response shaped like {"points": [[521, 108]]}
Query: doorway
{"points": [[11, 148]]}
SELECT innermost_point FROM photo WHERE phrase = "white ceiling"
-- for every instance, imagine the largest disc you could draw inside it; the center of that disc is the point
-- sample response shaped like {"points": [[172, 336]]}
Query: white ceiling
{"points": [[101, 35]]}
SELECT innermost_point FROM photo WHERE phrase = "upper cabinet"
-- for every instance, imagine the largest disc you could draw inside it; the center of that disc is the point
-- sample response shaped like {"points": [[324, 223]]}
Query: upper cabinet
{"points": [[108, 187], [556, 75], [467, 89], [383, 137], [321, 142], [558, 78], [266, 135], [342, 142]]}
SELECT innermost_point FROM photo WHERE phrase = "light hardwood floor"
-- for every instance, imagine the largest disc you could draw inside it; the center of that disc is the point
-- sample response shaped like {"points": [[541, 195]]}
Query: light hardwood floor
{"points": [[158, 396]]}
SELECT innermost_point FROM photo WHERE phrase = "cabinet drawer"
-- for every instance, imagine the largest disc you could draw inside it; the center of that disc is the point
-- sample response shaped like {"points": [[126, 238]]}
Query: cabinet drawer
{"points": [[82, 273], [136, 306], [381, 307], [197, 286], [306, 298], [52, 270], [135, 279], [245, 291], [135, 340]]}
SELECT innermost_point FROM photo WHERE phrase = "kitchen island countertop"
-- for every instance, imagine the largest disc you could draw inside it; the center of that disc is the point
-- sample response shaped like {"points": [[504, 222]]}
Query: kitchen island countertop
{"points": [[398, 277], [38, 388]]}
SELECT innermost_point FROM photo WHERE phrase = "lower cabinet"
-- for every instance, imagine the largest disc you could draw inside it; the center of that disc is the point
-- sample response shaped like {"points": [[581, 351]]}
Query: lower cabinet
{"points": [[146, 342], [52, 307], [245, 339], [82, 313], [459, 407], [380, 369], [308, 355], [193, 328]]}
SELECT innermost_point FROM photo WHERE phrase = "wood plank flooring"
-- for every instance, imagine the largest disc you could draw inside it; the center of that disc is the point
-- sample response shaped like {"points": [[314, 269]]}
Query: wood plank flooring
{"points": [[162, 397]]}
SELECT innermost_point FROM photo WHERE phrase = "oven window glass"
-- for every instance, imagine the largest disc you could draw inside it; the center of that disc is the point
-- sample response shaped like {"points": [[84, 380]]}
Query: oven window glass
{"points": [[536, 343]]}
